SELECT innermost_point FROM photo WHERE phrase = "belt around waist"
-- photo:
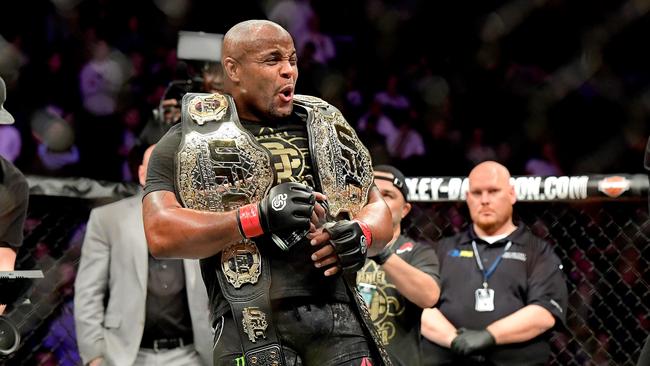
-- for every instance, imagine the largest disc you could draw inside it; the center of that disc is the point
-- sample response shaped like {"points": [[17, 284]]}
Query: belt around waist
{"points": [[165, 343]]}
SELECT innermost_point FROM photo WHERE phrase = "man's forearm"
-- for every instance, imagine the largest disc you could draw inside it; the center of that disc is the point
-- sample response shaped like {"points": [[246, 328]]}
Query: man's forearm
{"points": [[436, 328], [522, 325], [417, 286], [176, 232], [377, 216]]}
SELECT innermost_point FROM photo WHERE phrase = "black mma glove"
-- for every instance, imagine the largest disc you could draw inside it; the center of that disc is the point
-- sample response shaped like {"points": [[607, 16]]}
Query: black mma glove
{"points": [[351, 240], [288, 206], [470, 341]]}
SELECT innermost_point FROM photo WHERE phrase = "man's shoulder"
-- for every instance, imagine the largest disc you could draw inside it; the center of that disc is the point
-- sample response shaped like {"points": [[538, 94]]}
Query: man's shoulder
{"points": [[458, 238], [525, 237]]}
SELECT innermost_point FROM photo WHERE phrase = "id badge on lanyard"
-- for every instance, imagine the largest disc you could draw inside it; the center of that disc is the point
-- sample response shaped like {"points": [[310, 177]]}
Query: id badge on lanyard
{"points": [[484, 297]]}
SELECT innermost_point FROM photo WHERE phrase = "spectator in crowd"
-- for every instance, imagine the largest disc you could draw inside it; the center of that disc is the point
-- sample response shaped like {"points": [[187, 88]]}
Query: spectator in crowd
{"points": [[292, 15], [400, 281], [323, 46], [393, 103], [56, 151], [379, 122], [445, 152], [544, 162], [312, 72], [101, 80], [14, 195], [502, 287], [408, 142], [10, 142], [477, 149], [131, 308]]}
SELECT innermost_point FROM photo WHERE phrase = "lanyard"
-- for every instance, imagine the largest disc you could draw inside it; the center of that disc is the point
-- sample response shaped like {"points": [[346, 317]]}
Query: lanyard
{"points": [[489, 272]]}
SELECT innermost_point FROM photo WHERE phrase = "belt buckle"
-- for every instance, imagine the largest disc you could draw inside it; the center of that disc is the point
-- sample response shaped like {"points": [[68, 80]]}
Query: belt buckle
{"points": [[168, 342], [155, 346]]}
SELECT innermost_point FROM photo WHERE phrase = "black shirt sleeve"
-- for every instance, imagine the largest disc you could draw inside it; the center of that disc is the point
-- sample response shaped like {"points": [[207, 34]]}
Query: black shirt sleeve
{"points": [[546, 283], [14, 196], [160, 172], [425, 259]]}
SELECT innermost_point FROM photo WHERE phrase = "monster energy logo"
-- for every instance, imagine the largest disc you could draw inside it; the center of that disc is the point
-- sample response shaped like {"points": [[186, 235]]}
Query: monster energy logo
{"points": [[240, 361]]}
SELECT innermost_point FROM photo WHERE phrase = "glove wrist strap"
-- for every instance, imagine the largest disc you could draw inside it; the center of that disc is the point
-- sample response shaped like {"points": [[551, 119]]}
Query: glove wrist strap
{"points": [[248, 218], [366, 232], [382, 257]]}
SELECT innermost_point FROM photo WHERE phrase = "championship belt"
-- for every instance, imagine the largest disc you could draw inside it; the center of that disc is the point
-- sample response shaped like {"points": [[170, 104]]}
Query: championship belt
{"points": [[342, 164], [220, 167], [343, 168]]}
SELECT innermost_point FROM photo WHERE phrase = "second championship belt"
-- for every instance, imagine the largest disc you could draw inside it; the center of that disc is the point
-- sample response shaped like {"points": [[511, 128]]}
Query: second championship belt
{"points": [[343, 168], [220, 167]]}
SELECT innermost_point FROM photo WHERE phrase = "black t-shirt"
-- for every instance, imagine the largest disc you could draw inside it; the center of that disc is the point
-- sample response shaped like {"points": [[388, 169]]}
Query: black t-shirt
{"points": [[293, 273], [14, 195], [396, 318], [529, 273]]}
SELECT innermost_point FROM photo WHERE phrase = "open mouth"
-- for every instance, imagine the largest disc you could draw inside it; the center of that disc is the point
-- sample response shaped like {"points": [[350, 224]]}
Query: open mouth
{"points": [[286, 93]]}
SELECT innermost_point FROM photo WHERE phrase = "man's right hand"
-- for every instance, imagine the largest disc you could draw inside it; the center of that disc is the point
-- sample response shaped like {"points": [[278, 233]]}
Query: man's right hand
{"points": [[469, 341], [288, 206]]}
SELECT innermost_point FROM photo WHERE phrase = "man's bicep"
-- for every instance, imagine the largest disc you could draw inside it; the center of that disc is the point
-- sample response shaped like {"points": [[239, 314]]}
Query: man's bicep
{"points": [[157, 202], [160, 170]]}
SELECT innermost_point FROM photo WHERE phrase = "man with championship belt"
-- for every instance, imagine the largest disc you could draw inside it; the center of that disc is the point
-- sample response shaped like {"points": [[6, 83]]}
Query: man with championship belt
{"points": [[273, 191]]}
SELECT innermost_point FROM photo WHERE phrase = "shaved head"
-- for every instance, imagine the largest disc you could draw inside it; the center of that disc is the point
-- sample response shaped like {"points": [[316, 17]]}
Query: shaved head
{"points": [[243, 37], [491, 168]]}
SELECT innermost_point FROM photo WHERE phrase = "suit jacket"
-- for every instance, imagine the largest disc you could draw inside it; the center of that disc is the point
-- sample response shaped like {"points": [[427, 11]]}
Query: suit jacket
{"points": [[114, 263]]}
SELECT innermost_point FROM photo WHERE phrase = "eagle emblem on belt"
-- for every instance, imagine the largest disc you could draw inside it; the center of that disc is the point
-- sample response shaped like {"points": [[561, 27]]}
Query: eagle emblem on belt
{"points": [[241, 263], [203, 108]]}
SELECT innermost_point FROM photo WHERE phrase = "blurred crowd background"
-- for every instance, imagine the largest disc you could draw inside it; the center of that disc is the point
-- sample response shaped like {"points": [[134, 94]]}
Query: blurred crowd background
{"points": [[546, 87]]}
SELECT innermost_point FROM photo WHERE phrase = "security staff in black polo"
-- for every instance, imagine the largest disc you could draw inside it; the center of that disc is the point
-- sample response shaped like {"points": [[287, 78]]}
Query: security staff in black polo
{"points": [[502, 287]]}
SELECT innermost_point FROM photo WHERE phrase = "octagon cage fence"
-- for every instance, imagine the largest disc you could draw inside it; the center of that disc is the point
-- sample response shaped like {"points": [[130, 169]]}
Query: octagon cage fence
{"points": [[597, 225]]}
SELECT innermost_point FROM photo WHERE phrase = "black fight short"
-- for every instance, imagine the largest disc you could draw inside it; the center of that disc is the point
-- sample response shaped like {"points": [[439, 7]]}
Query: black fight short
{"points": [[311, 335]]}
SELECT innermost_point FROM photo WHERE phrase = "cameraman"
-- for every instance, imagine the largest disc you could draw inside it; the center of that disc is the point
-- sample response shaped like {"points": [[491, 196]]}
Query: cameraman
{"points": [[199, 71]]}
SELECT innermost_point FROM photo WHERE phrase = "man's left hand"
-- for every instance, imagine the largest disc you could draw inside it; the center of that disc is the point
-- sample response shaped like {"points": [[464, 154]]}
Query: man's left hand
{"points": [[350, 240], [346, 245], [470, 341]]}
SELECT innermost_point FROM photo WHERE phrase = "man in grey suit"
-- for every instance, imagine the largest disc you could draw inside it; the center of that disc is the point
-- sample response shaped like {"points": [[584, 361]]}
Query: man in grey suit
{"points": [[156, 312]]}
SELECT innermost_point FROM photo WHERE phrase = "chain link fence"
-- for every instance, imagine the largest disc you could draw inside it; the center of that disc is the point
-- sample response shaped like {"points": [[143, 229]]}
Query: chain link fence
{"points": [[602, 245]]}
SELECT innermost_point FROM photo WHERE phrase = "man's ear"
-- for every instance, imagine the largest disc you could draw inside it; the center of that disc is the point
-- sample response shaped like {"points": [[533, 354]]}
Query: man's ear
{"points": [[231, 69], [512, 194], [406, 209]]}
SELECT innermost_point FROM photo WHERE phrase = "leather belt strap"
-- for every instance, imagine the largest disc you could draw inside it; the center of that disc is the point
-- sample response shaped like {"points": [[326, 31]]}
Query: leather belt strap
{"points": [[251, 309]]}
